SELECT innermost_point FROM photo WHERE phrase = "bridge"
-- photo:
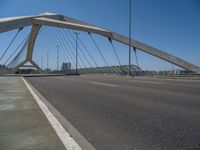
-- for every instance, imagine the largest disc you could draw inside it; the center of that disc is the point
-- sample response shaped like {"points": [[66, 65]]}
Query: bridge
{"points": [[44, 21], [97, 110]]}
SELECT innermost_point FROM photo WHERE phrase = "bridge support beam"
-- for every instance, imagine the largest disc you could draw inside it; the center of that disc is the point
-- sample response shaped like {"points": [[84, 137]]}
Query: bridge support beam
{"points": [[156, 52], [31, 43], [24, 62], [71, 24]]}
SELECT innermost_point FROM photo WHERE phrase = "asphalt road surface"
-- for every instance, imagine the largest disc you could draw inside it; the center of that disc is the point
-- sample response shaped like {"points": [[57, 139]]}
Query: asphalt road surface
{"points": [[125, 114]]}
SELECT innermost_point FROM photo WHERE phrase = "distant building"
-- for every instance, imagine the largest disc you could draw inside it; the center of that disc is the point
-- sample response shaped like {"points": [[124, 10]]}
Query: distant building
{"points": [[66, 66], [47, 70]]}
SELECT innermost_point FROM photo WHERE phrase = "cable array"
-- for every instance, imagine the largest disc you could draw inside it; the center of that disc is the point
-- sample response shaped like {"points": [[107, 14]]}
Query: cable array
{"points": [[57, 46]]}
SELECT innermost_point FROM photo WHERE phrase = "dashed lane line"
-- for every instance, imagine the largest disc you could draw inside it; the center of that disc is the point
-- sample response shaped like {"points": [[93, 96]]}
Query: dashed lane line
{"points": [[104, 84], [151, 82]]}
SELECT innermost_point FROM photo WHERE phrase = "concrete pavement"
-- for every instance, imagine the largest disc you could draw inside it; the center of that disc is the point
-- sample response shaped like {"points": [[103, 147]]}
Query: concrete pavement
{"points": [[23, 125], [126, 114]]}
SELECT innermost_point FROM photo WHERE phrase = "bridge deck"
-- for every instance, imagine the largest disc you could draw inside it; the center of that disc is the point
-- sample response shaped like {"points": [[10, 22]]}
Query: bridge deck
{"points": [[124, 114]]}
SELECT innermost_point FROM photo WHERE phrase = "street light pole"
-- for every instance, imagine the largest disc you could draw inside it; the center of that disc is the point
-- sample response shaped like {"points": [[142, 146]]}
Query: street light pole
{"points": [[57, 46], [129, 67], [47, 60], [41, 62], [38, 61], [76, 33]]}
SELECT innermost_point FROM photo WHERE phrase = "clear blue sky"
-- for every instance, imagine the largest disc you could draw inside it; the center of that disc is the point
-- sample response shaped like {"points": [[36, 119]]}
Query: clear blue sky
{"points": [[170, 25]]}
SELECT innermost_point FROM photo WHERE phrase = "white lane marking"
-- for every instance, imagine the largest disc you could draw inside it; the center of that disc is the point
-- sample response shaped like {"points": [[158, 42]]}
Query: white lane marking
{"points": [[14, 91], [157, 82], [67, 140], [104, 84], [179, 79], [60, 78], [179, 84], [6, 107], [10, 98], [151, 82]]}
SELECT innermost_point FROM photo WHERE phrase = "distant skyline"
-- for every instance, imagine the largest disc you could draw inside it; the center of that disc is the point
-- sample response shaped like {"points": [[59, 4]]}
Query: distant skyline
{"points": [[169, 25]]}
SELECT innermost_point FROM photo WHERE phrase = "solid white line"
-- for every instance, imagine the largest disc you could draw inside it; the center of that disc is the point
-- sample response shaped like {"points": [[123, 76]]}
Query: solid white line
{"points": [[157, 82], [104, 84], [67, 140], [151, 82], [60, 78]]}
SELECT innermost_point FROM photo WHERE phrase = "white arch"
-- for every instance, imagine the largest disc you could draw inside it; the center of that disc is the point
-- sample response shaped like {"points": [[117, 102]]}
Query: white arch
{"points": [[70, 23]]}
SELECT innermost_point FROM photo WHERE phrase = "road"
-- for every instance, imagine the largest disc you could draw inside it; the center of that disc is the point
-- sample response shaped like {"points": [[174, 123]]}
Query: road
{"points": [[115, 113]]}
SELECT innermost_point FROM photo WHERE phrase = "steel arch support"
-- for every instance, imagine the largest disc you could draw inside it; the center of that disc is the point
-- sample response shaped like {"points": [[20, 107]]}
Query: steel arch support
{"points": [[31, 42], [157, 53], [120, 38], [24, 62], [70, 23]]}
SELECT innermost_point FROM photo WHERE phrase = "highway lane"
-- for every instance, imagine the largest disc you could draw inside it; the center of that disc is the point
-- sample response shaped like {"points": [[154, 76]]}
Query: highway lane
{"points": [[125, 114]]}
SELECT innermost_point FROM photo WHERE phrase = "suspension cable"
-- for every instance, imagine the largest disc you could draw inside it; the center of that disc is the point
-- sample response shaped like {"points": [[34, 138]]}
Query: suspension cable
{"points": [[63, 42], [18, 54], [61, 37], [95, 43], [88, 52], [75, 49], [97, 67], [62, 33], [85, 49], [80, 49], [56, 38], [44, 41], [43, 38], [16, 49], [70, 52], [61, 49], [22, 43], [136, 58], [114, 49], [110, 40], [11, 43]]}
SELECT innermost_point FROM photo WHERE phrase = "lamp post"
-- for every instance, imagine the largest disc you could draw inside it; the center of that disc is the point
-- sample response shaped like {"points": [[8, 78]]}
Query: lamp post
{"points": [[41, 62], [38, 61], [47, 60], [76, 33], [57, 46], [129, 67]]}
